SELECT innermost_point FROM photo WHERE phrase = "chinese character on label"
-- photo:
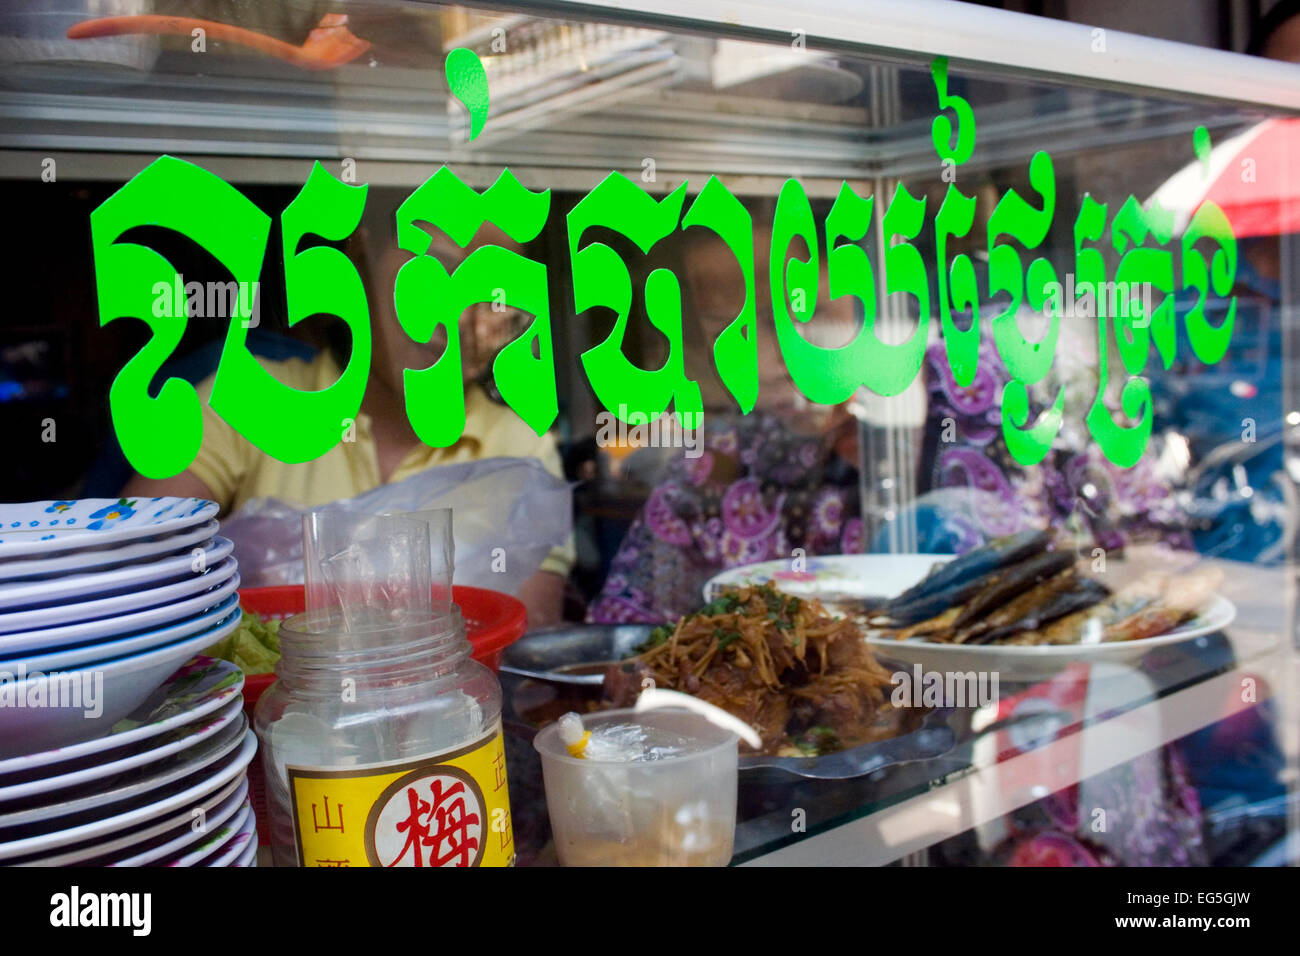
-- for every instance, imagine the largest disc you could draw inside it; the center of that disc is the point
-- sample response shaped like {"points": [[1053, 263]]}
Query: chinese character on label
{"points": [[432, 817], [499, 768], [316, 823]]}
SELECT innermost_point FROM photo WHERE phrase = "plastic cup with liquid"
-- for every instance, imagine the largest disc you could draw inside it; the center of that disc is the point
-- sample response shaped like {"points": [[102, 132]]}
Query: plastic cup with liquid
{"points": [[659, 790]]}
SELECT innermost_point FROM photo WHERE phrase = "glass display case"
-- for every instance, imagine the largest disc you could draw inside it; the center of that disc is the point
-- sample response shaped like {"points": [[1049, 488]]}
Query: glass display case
{"points": [[906, 279]]}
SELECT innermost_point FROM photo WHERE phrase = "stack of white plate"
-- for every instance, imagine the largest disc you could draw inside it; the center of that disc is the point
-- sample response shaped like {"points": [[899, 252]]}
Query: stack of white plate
{"points": [[101, 601]]}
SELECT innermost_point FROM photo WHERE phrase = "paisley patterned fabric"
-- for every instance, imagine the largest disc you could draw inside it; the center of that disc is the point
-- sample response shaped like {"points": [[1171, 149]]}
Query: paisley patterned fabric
{"points": [[1152, 818], [1075, 489], [756, 493]]}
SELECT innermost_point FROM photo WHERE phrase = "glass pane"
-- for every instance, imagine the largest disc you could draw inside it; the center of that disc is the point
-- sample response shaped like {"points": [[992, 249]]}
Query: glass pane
{"points": [[1073, 313]]}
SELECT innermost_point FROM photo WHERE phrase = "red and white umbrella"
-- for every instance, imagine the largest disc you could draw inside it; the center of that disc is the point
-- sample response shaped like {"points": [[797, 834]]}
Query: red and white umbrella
{"points": [[1253, 176]]}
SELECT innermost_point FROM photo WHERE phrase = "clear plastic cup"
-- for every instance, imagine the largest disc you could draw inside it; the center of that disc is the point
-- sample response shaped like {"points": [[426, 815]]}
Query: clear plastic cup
{"points": [[442, 553], [678, 809], [368, 570]]}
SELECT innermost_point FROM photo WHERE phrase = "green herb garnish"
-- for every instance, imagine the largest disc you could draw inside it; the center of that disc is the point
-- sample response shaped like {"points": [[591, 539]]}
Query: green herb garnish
{"points": [[818, 740], [725, 638], [726, 604], [658, 636]]}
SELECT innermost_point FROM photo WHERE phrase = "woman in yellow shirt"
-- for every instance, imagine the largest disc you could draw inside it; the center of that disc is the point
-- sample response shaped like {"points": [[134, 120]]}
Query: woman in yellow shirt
{"points": [[383, 448]]}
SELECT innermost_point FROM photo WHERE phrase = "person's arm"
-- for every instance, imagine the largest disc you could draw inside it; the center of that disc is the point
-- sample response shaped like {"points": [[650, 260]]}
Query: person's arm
{"points": [[543, 596], [184, 485], [217, 470]]}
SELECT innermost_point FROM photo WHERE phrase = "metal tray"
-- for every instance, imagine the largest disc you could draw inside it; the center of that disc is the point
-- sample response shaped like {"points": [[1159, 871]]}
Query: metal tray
{"points": [[550, 648]]}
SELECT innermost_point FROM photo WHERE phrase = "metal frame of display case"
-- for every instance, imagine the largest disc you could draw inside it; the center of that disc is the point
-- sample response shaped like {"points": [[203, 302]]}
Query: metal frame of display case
{"points": [[248, 129], [254, 129], [973, 37]]}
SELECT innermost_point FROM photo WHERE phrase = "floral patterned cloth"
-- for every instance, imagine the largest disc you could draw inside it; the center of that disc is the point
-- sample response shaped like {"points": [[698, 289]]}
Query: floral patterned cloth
{"points": [[1152, 817], [755, 493], [1074, 490]]}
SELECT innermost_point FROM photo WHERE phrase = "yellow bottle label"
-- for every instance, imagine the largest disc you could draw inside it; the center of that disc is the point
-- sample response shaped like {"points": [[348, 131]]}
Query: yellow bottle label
{"points": [[448, 809]]}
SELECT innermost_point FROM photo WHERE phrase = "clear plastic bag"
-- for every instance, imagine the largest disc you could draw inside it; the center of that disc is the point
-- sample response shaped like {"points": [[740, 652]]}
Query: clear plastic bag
{"points": [[509, 513]]}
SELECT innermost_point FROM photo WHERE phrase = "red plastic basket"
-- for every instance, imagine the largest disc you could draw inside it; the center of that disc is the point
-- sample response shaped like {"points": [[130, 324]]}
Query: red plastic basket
{"points": [[493, 621]]}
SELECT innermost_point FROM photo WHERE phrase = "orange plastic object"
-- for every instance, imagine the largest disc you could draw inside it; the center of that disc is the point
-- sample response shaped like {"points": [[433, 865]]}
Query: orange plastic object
{"points": [[331, 44]]}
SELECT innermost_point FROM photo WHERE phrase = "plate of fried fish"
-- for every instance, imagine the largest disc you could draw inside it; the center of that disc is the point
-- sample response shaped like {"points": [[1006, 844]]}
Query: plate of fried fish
{"points": [[1025, 605]]}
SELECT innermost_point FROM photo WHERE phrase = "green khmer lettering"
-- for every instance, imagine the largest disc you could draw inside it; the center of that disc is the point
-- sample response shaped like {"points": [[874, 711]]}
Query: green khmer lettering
{"points": [[295, 426]]}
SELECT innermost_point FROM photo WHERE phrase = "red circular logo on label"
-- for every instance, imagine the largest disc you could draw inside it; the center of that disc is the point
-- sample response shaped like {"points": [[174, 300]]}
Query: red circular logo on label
{"points": [[430, 817]]}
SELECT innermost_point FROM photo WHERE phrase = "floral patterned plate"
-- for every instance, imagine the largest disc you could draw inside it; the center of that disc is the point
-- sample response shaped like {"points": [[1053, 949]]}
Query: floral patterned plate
{"points": [[103, 852], [133, 577], [850, 576], [180, 795], [218, 824], [217, 841], [132, 785], [46, 527], [73, 611], [109, 555], [249, 856], [200, 687], [238, 845], [94, 768]]}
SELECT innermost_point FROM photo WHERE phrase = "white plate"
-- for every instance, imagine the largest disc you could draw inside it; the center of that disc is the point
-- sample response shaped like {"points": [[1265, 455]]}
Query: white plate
{"points": [[134, 787], [249, 856], [203, 687], [855, 576], [844, 575], [114, 687], [83, 586], [70, 613], [217, 840], [152, 749], [110, 555], [165, 846], [95, 850], [67, 635], [57, 660], [112, 824], [237, 847], [47, 527], [1019, 662]]}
